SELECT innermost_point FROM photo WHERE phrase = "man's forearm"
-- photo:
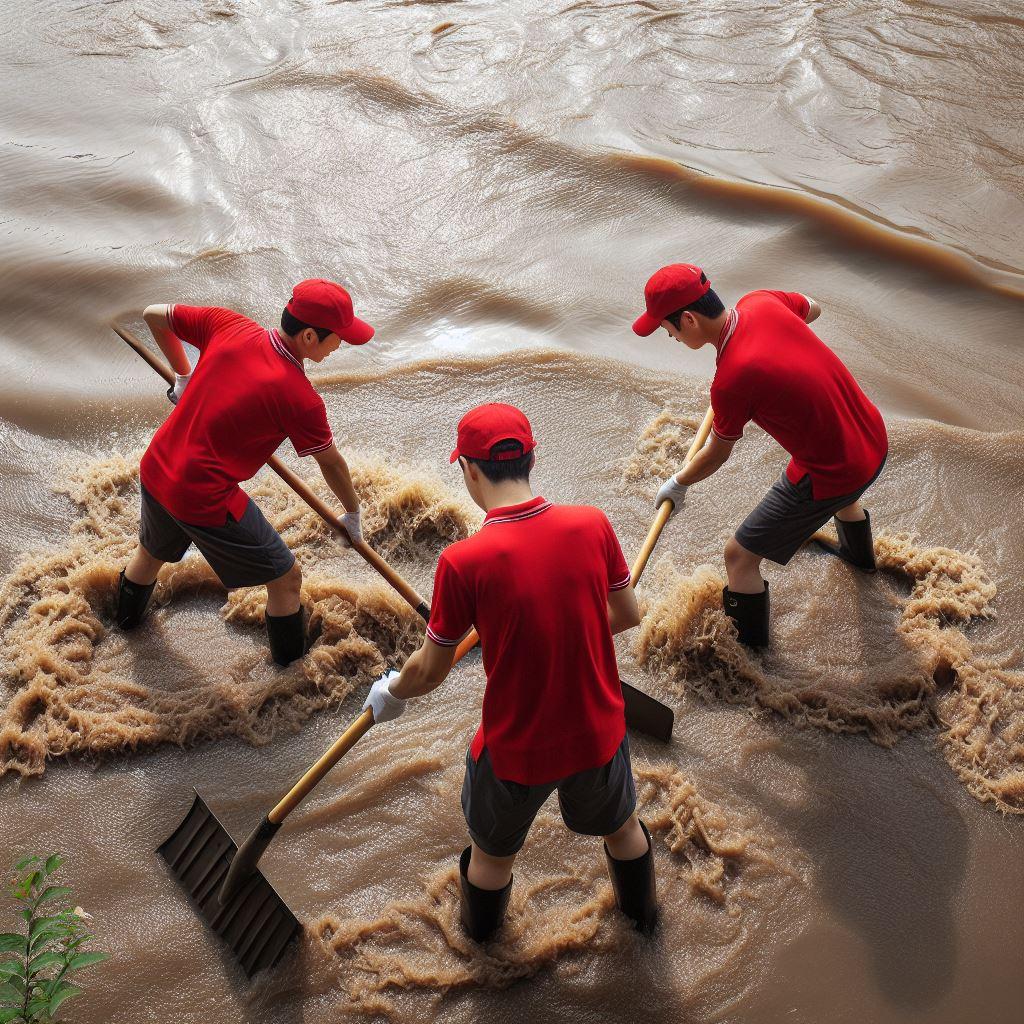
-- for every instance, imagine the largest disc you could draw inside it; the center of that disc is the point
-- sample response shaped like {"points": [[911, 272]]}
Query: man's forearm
{"points": [[700, 467], [167, 341], [339, 480], [416, 679]]}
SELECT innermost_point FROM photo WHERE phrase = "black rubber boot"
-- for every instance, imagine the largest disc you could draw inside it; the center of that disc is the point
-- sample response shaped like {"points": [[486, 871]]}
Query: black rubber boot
{"points": [[855, 543], [482, 910], [750, 612], [635, 890], [287, 636], [132, 599]]}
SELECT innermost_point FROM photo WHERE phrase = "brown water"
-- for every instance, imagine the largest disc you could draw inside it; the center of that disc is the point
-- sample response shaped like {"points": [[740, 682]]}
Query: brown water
{"points": [[837, 823]]}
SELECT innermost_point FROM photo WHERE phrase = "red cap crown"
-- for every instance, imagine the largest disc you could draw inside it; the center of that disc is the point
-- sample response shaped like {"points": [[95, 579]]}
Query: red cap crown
{"points": [[321, 303], [669, 289], [486, 425]]}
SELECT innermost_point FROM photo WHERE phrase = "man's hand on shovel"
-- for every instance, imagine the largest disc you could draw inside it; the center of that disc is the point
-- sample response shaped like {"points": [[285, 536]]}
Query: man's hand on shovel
{"points": [[673, 492]]}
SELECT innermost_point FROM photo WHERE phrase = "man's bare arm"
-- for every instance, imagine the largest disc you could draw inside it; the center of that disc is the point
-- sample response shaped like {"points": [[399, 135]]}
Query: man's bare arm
{"points": [[168, 342], [336, 474], [424, 670], [623, 611], [708, 460]]}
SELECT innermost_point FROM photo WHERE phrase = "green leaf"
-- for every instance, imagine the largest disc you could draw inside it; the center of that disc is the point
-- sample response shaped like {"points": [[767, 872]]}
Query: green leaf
{"points": [[11, 943], [44, 960], [45, 922], [45, 936], [63, 993], [52, 863], [53, 892], [9, 994], [18, 982], [8, 1015], [38, 1006], [82, 960], [24, 863], [11, 969]]}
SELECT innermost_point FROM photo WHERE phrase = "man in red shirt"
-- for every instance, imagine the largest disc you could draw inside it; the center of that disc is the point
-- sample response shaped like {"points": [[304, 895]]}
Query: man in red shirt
{"points": [[773, 369], [248, 392], [546, 587]]}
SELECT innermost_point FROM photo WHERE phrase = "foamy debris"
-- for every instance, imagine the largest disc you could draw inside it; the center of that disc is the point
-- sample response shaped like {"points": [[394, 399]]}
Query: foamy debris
{"points": [[687, 638], [68, 677], [661, 448], [419, 943]]}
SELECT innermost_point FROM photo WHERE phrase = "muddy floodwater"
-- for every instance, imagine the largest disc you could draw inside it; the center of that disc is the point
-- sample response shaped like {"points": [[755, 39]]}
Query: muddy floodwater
{"points": [[837, 823]]}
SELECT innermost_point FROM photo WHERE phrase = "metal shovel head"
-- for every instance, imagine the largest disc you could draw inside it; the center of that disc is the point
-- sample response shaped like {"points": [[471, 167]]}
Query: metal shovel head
{"points": [[255, 923], [647, 715]]}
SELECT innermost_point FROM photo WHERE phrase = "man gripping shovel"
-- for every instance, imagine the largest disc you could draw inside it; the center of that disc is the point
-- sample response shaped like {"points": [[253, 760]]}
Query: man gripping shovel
{"points": [[547, 587], [247, 393], [771, 368]]}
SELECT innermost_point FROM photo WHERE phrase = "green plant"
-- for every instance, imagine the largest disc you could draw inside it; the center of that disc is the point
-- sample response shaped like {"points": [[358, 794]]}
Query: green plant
{"points": [[35, 966]]}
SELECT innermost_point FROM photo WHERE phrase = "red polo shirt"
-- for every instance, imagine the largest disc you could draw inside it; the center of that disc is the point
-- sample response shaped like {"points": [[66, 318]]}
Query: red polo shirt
{"points": [[776, 371], [247, 394], [535, 582]]}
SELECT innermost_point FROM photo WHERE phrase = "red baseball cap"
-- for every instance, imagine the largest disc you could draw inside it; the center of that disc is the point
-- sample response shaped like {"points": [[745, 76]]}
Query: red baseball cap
{"points": [[483, 427], [669, 289], [322, 303]]}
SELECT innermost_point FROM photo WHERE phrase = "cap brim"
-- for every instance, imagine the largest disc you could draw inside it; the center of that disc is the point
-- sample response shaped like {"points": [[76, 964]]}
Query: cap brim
{"points": [[455, 456], [359, 332], [645, 325]]}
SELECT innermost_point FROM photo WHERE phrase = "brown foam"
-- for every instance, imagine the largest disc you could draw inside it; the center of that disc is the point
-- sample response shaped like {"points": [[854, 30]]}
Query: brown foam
{"points": [[686, 637], [419, 944], [661, 448], [73, 689]]}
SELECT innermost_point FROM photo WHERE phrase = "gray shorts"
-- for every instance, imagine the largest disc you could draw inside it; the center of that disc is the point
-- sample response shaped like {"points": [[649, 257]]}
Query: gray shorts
{"points": [[788, 516], [595, 802], [243, 553]]}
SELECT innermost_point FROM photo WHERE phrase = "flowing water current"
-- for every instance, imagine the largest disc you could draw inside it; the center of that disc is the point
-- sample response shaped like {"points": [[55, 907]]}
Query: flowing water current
{"points": [[837, 823]]}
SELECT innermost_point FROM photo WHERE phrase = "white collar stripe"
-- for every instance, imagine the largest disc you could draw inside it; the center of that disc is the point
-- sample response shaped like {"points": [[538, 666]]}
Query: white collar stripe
{"points": [[281, 349], [526, 514]]}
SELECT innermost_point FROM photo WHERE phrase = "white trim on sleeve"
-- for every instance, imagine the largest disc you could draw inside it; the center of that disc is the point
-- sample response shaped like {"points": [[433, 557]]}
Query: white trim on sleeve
{"points": [[318, 448], [440, 640], [622, 584]]}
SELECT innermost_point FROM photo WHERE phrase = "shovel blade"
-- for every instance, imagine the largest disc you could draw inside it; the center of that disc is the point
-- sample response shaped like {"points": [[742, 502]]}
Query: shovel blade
{"points": [[255, 924], [647, 715]]}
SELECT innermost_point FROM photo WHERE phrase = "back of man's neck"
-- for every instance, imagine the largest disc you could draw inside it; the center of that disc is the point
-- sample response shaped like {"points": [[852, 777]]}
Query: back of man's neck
{"points": [[289, 343], [512, 493]]}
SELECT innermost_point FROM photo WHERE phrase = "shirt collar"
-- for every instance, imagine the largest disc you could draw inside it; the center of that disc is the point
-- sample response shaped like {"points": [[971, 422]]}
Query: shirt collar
{"points": [[514, 513], [277, 343], [728, 329]]}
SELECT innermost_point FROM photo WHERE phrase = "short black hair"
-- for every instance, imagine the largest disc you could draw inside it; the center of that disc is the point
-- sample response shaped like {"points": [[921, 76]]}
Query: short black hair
{"points": [[291, 325], [709, 305], [498, 470]]}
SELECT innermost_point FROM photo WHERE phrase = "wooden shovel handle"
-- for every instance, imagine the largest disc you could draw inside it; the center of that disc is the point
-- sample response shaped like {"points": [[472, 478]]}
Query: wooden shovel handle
{"points": [[665, 510], [338, 749], [302, 489]]}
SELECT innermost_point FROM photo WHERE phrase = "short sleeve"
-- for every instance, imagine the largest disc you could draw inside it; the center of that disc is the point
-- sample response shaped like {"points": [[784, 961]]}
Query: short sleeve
{"points": [[198, 324], [307, 426], [732, 413], [793, 301], [452, 608], [619, 575]]}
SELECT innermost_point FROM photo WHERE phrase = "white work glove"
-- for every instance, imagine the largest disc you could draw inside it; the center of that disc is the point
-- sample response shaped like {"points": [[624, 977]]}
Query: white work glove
{"points": [[674, 492], [382, 702], [353, 527], [177, 389]]}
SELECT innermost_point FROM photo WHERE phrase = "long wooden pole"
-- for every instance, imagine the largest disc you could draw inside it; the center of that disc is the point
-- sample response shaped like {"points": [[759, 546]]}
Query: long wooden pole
{"points": [[302, 489]]}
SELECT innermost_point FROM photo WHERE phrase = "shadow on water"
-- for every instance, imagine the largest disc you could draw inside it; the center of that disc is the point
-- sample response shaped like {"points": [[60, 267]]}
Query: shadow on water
{"points": [[889, 854]]}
